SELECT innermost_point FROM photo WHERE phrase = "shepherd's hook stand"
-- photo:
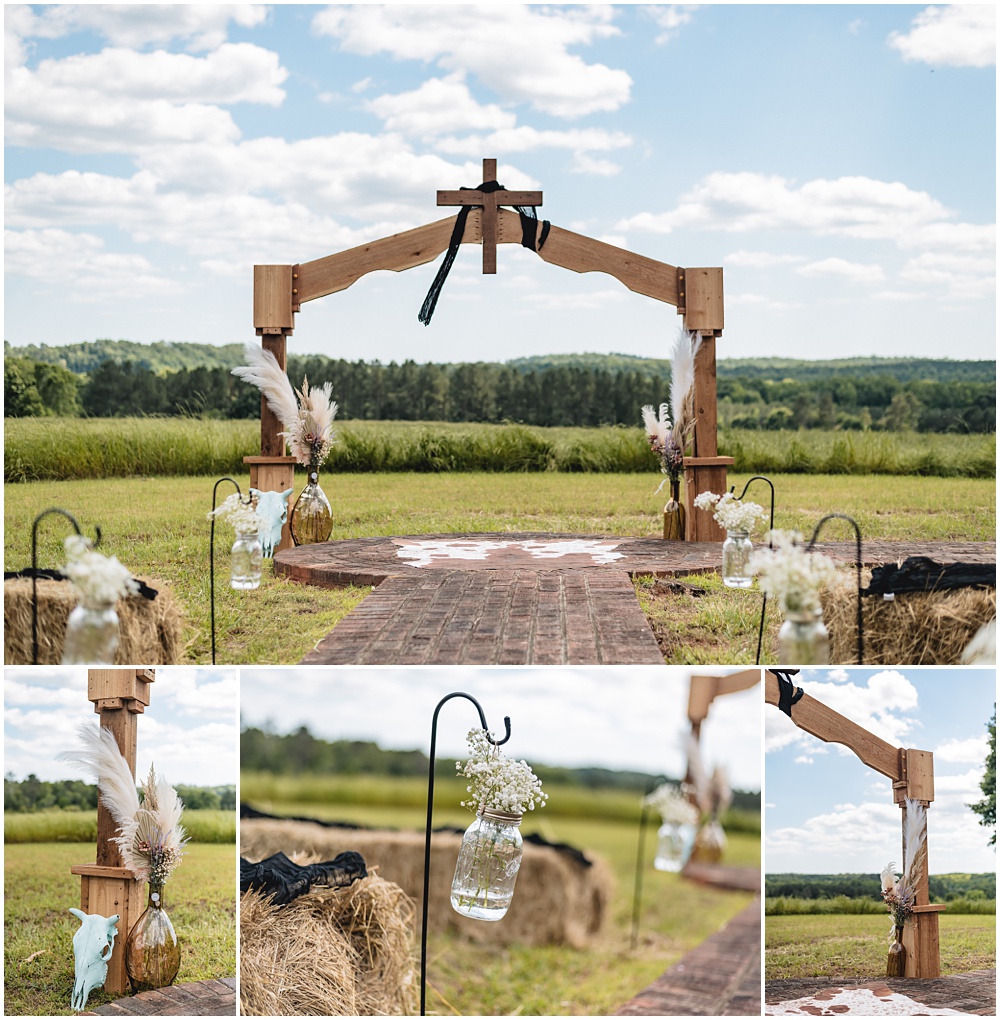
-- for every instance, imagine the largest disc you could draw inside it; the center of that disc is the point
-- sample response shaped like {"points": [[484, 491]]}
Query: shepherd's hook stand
{"points": [[639, 862], [211, 548], [857, 537], [34, 569], [770, 545], [430, 816]]}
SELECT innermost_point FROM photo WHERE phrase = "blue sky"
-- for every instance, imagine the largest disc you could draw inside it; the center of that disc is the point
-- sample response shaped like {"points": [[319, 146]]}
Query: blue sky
{"points": [[189, 730], [826, 812], [618, 718], [837, 160]]}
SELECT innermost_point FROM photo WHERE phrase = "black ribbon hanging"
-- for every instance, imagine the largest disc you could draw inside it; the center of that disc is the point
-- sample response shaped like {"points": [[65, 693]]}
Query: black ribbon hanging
{"points": [[788, 693], [529, 232]]}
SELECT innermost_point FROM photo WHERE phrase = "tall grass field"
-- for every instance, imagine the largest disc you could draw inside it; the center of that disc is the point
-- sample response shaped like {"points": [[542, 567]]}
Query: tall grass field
{"points": [[468, 979], [57, 826], [66, 448]]}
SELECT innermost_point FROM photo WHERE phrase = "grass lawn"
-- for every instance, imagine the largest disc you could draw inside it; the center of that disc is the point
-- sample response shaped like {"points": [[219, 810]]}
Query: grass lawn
{"points": [[38, 928], [157, 527], [466, 979], [856, 946]]}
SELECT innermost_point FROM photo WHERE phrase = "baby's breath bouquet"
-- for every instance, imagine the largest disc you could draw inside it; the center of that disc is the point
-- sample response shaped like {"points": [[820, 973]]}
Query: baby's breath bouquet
{"points": [[671, 805], [99, 580], [731, 513], [791, 573], [241, 516], [496, 782], [501, 791]]}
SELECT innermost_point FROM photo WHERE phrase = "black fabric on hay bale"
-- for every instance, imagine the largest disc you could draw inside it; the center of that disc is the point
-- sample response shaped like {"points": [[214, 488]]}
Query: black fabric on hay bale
{"points": [[283, 880], [921, 573]]}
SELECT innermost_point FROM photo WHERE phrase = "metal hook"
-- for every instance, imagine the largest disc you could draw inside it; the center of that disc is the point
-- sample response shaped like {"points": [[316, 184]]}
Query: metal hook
{"points": [[34, 568], [858, 565], [770, 545], [430, 816], [211, 549]]}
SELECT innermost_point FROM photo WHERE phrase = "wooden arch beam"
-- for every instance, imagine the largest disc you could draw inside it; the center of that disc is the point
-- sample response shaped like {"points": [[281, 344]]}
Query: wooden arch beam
{"points": [[581, 254]]}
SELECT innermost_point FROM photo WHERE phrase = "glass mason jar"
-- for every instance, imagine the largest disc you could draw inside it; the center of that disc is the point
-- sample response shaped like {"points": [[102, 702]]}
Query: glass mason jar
{"points": [[674, 514], [674, 841], [312, 517], [246, 562], [736, 552], [803, 640], [91, 635], [487, 866], [152, 953]]}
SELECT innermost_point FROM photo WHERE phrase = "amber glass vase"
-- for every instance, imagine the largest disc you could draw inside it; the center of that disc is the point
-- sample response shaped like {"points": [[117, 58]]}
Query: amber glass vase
{"points": [[673, 514], [896, 964], [312, 518], [152, 954]]}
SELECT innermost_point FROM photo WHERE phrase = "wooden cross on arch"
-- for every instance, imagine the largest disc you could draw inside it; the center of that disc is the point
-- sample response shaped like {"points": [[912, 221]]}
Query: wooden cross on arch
{"points": [[490, 201]]}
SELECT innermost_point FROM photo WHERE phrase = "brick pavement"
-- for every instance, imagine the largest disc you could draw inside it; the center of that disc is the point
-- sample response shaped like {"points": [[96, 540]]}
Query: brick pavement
{"points": [[194, 998], [721, 977], [495, 617], [973, 992]]}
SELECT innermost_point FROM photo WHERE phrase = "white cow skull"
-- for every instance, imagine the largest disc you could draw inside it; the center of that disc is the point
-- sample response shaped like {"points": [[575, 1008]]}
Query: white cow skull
{"points": [[272, 512], [93, 945]]}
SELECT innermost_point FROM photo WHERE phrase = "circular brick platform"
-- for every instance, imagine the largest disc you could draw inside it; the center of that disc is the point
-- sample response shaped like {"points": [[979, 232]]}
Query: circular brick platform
{"points": [[369, 561]]}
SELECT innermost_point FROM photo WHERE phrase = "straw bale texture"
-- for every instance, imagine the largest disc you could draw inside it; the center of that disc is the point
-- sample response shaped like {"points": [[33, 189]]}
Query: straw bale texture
{"points": [[915, 629], [332, 952], [557, 900], [149, 632]]}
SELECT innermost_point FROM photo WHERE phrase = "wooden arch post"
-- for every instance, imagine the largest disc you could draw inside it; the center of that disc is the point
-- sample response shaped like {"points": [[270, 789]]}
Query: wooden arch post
{"points": [[697, 294], [106, 887], [912, 775]]}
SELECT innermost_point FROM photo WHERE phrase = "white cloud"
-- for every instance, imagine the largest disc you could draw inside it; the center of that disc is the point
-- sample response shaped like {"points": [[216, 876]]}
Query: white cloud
{"points": [[838, 675], [760, 301], [671, 18], [804, 759], [956, 35], [205, 26], [759, 259], [965, 276], [522, 53], [969, 749], [856, 272]]}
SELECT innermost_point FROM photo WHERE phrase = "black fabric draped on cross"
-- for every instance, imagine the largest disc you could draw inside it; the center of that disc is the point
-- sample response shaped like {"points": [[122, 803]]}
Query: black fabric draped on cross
{"points": [[788, 693], [529, 235]]}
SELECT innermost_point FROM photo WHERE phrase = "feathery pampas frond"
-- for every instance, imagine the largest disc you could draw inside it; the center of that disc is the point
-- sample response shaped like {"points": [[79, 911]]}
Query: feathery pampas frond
{"points": [[701, 784], [307, 414], [914, 841], [686, 348], [100, 757]]}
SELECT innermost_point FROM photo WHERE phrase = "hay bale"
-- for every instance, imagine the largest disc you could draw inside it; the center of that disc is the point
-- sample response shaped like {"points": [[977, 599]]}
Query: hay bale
{"points": [[149, 632], [557, 899], [332, 952], [913, 629]]}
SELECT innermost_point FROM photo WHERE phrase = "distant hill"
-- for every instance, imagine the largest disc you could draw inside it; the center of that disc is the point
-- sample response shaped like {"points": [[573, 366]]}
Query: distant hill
{"points": [[945, 886], [162, 356]]}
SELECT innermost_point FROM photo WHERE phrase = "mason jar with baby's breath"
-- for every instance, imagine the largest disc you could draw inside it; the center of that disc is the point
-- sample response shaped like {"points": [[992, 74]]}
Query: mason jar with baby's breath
{"points": [[490, 855], [739, 520]]}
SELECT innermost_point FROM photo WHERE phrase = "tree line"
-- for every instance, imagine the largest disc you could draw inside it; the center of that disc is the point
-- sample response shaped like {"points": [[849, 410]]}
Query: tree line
{"points": [[557, 394], [299, 752], [34, 794], [820, 887]]}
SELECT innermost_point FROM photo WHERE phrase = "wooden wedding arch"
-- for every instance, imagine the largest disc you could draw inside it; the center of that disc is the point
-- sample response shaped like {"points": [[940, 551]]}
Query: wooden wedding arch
{"points": [[912, 775], [281, 290]]}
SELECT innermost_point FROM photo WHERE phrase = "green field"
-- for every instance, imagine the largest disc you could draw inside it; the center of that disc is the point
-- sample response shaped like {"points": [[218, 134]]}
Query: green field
{"points": [[855, 946], [157, 527], [466, 979], [64, 448], [81, 826], [38, 928]]}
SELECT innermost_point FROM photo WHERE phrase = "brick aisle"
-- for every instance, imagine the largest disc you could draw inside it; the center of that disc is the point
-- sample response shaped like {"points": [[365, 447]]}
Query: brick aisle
{"points": [[195, 998], [721, 977], [494, 617]]}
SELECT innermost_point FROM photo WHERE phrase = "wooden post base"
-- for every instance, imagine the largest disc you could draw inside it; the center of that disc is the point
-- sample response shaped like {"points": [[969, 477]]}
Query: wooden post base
{"points": [[275, 474], [704, 474], [920, 938], [107, 891]]}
